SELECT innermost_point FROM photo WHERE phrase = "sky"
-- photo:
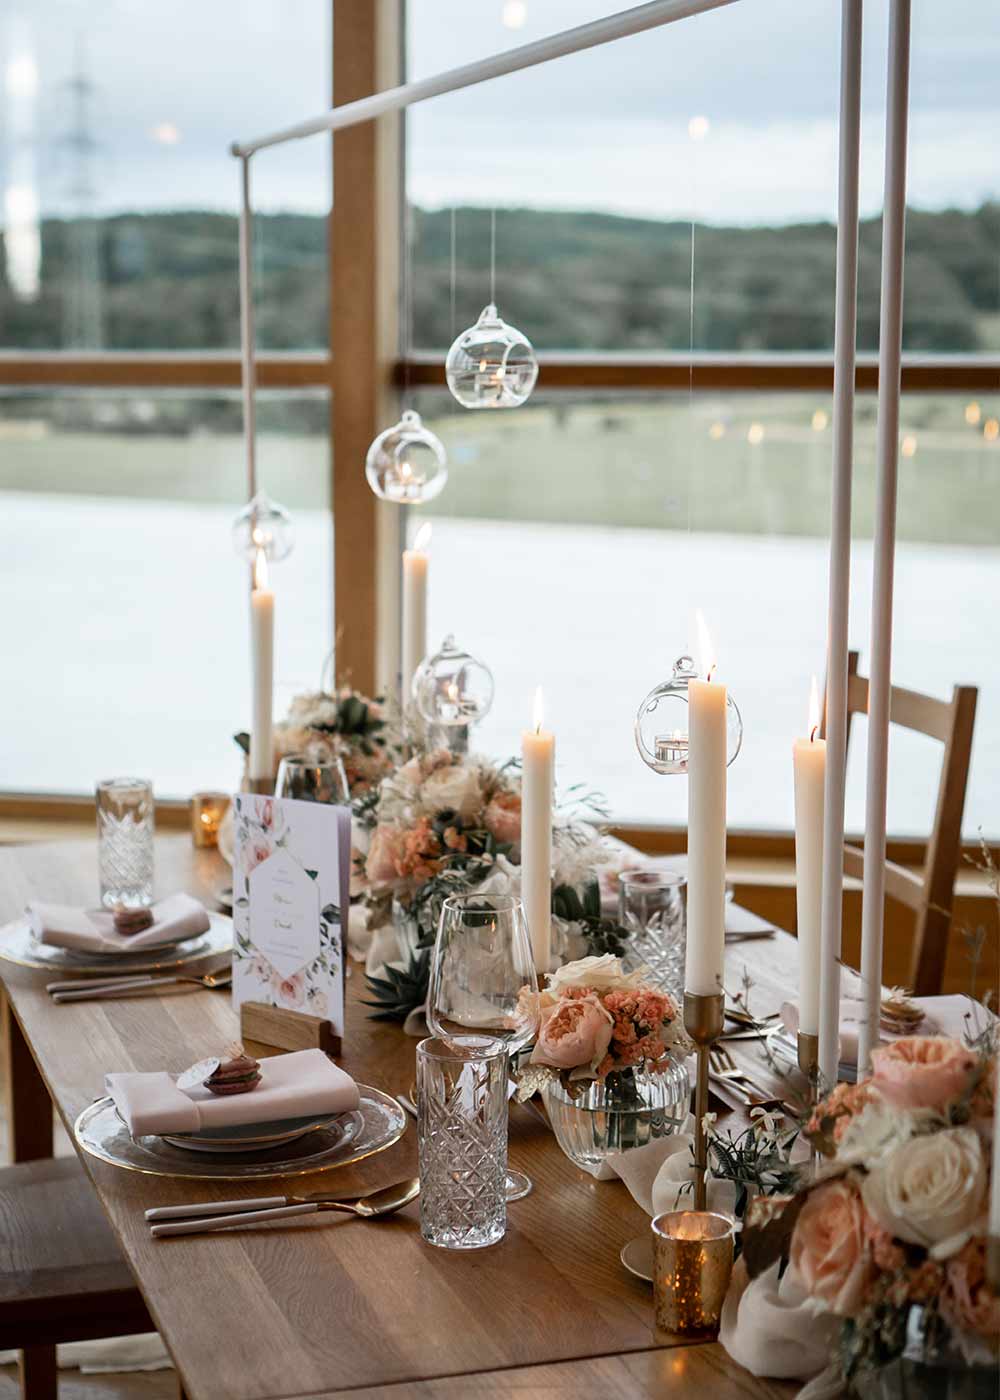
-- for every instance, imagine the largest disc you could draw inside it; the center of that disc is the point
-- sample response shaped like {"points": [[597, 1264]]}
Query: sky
{"points": [[171, 86]]}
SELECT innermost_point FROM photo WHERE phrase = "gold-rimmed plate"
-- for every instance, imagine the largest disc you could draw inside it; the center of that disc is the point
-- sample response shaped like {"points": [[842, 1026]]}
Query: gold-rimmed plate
{"points": [[249, 1137], [19, 945], [101, 1133]]}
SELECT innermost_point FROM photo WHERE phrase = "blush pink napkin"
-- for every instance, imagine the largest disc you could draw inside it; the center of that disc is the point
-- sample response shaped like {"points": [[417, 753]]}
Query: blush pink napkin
{"points": [[93, 930], [943, 1015], [297, 1085]]}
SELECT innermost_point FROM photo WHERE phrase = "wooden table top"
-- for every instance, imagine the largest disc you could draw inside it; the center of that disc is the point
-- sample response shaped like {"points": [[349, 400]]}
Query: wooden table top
{"points": [[330, 1305]]}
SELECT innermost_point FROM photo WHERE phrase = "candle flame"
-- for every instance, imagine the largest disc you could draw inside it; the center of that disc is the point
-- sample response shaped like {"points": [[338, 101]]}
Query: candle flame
{"points": [[813, 710], [423, 536], [260, 570], [538, 714], [453, 694], [704, 651]]}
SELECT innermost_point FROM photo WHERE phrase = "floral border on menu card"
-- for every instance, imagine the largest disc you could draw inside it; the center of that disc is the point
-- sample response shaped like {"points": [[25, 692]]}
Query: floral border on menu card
{"points": [[317, 838]]}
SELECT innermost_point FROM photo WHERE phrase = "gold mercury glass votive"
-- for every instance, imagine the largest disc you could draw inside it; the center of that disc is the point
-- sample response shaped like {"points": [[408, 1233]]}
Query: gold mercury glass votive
{"points": [[207, 811], [692, 1263]]}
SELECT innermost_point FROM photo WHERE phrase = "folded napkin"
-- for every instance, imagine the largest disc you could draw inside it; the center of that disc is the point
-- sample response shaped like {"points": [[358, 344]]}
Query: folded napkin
{"points": [[943, 1015], [177, 917], [770, 1327], [292, 1086], [660, 1175]]}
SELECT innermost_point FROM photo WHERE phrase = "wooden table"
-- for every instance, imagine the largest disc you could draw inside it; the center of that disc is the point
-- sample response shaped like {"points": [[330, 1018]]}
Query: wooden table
{"points": [[324, 1306]]}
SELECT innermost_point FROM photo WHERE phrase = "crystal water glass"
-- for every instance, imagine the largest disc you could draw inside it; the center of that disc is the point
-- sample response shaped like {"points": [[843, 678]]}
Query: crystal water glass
{"points": [[481, 963], [125, 841], [651, 905], [462, 1141]]}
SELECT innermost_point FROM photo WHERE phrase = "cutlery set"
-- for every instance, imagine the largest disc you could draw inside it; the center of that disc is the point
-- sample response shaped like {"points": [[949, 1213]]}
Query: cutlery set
{"points": [[211, 1216], [98, 988]]}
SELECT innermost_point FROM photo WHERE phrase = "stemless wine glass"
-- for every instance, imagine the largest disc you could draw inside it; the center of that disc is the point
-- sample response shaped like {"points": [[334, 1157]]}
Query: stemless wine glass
{"points": [[481, 963], [311, 778]]}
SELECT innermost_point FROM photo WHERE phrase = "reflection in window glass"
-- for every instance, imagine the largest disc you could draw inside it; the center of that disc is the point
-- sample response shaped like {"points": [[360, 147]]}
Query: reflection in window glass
{"points": [[127, 605], [598, 163], [633, 511], [118, 190]]}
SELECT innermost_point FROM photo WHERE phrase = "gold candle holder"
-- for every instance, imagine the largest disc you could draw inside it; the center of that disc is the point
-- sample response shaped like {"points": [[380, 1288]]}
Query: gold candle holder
{"points": [[692, 1264], [808, 1053], [207, 811], [993, 1263], [704, 1018]]}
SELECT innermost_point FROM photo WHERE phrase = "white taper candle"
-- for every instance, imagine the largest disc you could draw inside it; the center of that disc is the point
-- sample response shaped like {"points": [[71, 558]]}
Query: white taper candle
{"points": [[809, 765], [262, 668], [538, 750], [706, 890], [415, 567]]}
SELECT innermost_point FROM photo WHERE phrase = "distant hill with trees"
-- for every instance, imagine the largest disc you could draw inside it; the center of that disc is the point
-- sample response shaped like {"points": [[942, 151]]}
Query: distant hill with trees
{"points": [[571, 281]]}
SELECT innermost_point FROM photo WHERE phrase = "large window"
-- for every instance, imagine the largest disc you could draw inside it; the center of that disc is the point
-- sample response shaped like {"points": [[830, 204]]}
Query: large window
{"points": [[635, 508]]}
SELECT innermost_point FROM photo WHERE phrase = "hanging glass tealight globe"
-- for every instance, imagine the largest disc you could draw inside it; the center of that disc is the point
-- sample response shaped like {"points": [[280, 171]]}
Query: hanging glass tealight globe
{"points": [[661, 723], [263, 525], [452, 689], [407, 464], [491, 365]]}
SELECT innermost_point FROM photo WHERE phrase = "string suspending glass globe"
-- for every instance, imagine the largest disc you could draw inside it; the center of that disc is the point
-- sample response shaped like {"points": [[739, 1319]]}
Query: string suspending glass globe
{"points": [[452, 688], [661, 722], [407, 463], [492, 364], [263, 526]]}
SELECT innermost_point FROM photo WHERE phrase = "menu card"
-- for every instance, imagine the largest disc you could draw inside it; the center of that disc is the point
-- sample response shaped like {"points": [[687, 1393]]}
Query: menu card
{"points": [[291, 880]]}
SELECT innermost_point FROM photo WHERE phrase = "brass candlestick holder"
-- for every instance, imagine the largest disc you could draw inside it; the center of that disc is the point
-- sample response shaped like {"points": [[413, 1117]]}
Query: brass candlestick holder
{"points": [[263, 787], [704, 1017], [808, 1048]]}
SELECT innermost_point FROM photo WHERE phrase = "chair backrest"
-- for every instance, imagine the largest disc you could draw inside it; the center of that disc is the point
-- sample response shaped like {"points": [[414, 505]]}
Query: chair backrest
{"points": [[951, 723]]}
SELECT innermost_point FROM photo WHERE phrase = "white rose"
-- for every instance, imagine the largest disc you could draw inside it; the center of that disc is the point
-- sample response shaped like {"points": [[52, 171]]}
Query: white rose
{"points": [[930, 1190], [604, 974], [875, 1132], [456, 787]]}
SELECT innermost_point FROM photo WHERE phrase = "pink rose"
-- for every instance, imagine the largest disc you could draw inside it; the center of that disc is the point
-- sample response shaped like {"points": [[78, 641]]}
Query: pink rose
{"points": [[921, 1071], [384, 852], [967, 1302], [502, 817], [828, 1250], [573, 1034], [290, 991], [267, 812], [255, 852]]}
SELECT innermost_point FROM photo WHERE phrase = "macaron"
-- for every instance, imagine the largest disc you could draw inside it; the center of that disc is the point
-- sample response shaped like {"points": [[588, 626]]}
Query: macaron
{"points": [[237, 1075]]}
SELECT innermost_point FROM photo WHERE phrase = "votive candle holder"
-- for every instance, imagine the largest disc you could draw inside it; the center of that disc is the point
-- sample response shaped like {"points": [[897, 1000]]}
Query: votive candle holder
{"points": [[692, 1265], [207, 811]]}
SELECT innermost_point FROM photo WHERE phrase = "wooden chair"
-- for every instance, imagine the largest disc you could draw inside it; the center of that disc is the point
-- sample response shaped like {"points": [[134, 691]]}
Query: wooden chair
{"points": [[62, 1276], [931, 894]]}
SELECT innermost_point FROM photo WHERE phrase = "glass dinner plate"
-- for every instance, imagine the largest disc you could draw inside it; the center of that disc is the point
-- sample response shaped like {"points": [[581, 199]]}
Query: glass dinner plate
{"points": [[381, 1122], [248, 1137], [19, 945]]}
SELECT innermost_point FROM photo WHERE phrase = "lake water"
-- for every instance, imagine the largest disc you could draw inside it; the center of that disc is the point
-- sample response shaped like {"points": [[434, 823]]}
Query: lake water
{"points": [[125, 646]]}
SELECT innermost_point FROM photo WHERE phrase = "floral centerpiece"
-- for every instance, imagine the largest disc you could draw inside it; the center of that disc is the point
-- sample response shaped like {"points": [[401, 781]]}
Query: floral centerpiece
{"points": [[889, 1237], [340, 724], [603, 1059], [446, 823]]}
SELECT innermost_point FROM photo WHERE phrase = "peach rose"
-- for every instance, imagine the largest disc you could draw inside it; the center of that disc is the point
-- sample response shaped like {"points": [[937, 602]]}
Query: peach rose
{"points": [[381, 865], [255, 852], [290, 991], [573, 1034], [828, 1251], [921, 1071], [967, 1302], [502, 817]]}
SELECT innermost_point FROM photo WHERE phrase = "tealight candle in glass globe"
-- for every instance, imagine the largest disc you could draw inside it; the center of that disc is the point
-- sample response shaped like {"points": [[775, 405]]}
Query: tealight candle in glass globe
{"points": [[263, 526], [407, 464], [491, 365], [661, 723], [452, 690]]}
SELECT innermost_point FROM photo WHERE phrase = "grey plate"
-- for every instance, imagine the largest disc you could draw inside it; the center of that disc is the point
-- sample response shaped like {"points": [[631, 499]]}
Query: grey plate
{"points": [[18, 945], [784, 1047], [247, 1137], [101, 1133]]}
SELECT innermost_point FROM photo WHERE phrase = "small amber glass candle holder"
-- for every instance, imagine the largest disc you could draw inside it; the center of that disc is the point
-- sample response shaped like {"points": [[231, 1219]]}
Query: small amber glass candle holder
{"points": [[692, 1264], [207, 811]]}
